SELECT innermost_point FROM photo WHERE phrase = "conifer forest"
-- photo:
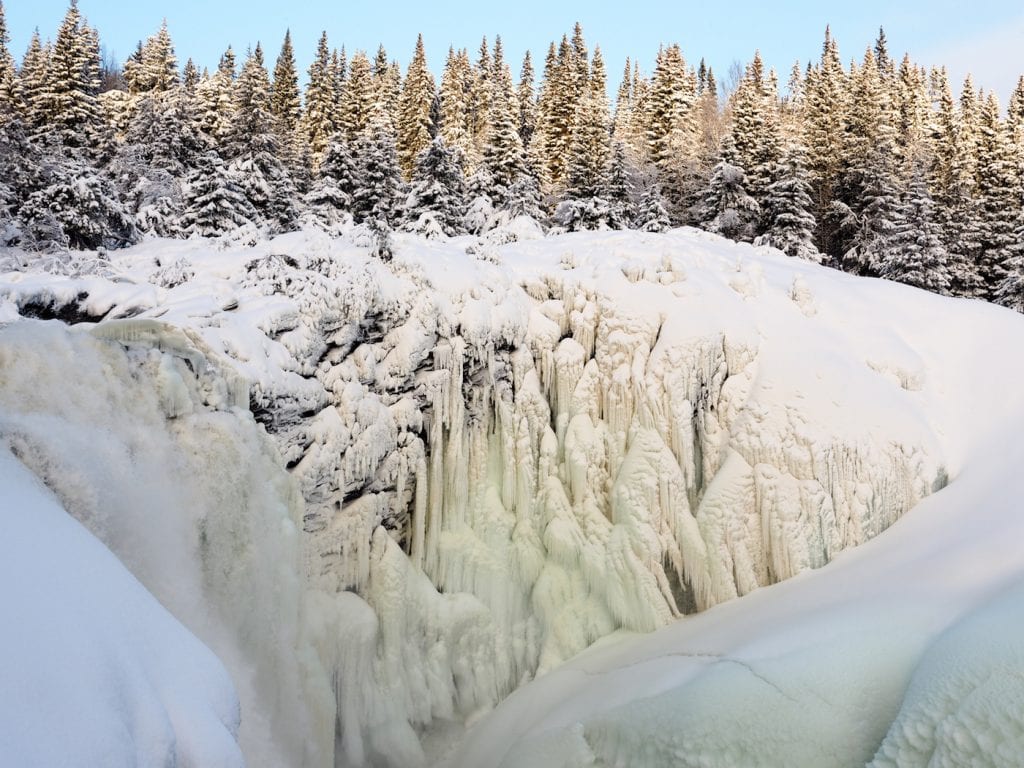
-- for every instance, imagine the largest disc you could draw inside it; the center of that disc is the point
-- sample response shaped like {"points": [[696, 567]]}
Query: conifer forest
{"points": [[877, 166]]}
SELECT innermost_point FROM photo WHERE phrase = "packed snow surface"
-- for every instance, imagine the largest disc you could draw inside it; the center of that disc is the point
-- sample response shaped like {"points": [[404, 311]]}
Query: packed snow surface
{"points": [[478, 460]]}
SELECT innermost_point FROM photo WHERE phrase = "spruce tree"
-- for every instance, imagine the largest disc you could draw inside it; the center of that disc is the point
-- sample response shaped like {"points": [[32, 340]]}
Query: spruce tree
{"points": [[254, 148], [672, 133], [727, 209], [285, 103], [320, 120], [527, 101], [358, 98], [436, 199], [31, 83], [825, 121], [72, 80], [503, 149], [919, 257], [650, 214], [454, 125], [329, 199], [158, 70], [787, 207], [7, 69], [999, 197], [378, 177], [414, 123], [214, 201], [215, 100], [755, 128]]}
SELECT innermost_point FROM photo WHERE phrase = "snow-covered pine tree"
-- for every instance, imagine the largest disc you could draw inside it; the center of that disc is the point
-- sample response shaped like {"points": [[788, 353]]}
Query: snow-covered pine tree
{"points": [[31, 83], [755, 128], [285, 101], [214, 201], [672, 135], [918, 257], [414, 123], [479, 216], [159, 66], [650, 214], [727, 208], [825, 125], [7, 68], [787, 206], [524, 199], [619, 182], [503, 149], [320, 119], [329, 200], [190, 77], [215, 100], [999, 196], [72, 80], [436, 200], [454, 106], [527, 101], [589, 156], [253, 149], [358, 99], [74, 205], [478, 101], [379, 180]]}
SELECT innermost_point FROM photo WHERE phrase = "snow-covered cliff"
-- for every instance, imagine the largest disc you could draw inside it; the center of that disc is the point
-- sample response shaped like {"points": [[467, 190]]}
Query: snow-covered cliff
{"points": [[478, 464]]}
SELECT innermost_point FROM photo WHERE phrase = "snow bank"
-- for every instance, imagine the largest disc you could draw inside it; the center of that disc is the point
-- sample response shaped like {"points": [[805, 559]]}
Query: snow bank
{"points": [[93, 670]]}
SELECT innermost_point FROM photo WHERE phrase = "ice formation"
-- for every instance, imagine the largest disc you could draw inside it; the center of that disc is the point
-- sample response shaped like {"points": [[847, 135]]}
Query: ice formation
{"points": [[494, 462]]}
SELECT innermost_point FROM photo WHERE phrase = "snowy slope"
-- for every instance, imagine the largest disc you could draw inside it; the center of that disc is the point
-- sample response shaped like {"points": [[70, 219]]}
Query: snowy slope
{"points": [[507, 452], [93, 671]]}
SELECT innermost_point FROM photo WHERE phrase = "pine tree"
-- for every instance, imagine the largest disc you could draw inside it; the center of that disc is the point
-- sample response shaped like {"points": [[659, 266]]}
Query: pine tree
{"points": [[358, 99], [285, 104], [379, 179], [190, 76], [7, 69], [919, 257], [787, 207], [320, 119], [329, 200], [72, 80], [503, 149], [437, 194], [727, 209], [31, 83], [651, 215], [755, 128], [590, 147], [527, 101], [75, 206], [999, 197], [215, 100], [214, 202], [825, 120], [158, 69], [672, 136], [454, 125], [254, 148], [414, 124]]}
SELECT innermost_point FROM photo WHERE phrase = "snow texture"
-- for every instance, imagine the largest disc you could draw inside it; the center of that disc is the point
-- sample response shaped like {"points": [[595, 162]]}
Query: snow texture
{"points": [[501, 452]]}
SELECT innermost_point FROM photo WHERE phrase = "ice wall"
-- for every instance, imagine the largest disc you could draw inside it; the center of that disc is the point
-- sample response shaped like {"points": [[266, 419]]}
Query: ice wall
{"points": [[501, 461]]}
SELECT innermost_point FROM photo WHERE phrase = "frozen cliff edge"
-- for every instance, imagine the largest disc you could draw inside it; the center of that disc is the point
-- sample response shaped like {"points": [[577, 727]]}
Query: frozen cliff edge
{"points": [[503, 459]]}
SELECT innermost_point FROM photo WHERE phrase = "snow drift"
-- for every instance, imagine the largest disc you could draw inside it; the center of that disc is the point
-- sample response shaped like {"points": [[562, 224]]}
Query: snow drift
{"points": [[497, 458]]}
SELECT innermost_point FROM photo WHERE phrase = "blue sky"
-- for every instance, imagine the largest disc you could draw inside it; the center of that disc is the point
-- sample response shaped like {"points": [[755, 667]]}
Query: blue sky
{"points": [[985, 37]]}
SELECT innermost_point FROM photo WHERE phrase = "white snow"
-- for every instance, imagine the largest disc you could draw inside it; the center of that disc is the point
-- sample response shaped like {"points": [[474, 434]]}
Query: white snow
{"points": [[505, 458], [93, 671]]}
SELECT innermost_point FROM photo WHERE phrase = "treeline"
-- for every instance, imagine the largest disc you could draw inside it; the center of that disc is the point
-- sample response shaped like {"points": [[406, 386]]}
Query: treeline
{"points": [[875, 168]]}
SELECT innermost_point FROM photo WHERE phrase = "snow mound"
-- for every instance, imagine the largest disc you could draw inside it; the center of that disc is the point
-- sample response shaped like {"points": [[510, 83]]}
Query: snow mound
{"points": [[93, 670]]}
